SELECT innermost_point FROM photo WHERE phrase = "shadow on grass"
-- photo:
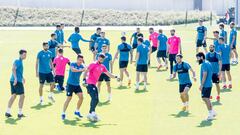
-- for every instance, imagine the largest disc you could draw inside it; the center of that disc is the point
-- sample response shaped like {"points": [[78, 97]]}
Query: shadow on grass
{"points": [[172, 80], [142, 83], [12, 121], [216, 103], [181, 114], [71, 122], [122, 88], [141, 91], [225, 90], [162, 70], [205, 123], [104, 103], [58, 92], [91, 124], [39, 106]]}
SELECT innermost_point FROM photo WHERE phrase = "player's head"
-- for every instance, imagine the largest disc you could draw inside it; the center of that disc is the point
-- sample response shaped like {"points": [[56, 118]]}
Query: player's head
{"points": [[138, 30], [179, 58], [53, 36], [58, 27], [211, 48], [80, 59], [123, 39], [216, 34], [160, 31], [221, 26], [200, 57], [62, 25], [140, 41], [232, 25], [98, 30], [172, 31], [60, 51], [221, 40], [102, 34], [45, 46], [104, 48], [101, 58], [77, 29], [200, 22], [23, 54], [151, 30]]}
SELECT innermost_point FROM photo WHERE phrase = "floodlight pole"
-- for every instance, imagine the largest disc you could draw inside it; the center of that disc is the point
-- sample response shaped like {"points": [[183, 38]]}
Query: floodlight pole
{"points": [[237, 18], [211, 8], [83, 8], [17, 11], [147, 8]]}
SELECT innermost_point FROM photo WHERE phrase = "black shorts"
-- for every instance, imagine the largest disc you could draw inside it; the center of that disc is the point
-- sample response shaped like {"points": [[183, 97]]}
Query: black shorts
{"points": [[234, 47], [59, 79], [134, 46], [215, 78], [142, 68], [172, 57], [45, 77], [73, 88], [206, 92], [92, 48], [154, 49], [104, 77], [18, 89], [162, 54], [183, 86], [200, 43], [123, 64], [225, 67], [77, 50]]}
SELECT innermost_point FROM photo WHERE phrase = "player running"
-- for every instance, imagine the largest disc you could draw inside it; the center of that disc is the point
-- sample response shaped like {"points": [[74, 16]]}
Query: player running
{"points": [[142, 58], [201, 36], [206, 83], [124, 50], [17, 84], [223, 33], [93, 38], [73, 86], [215, 59], [225, 52], [109, 66], [74, 39], [102, 40], [182, 68], [233, 42], [44, 68], [174, 48], [162, 50], [90, 79], [153, 37], [59, 64], [215, 40]]}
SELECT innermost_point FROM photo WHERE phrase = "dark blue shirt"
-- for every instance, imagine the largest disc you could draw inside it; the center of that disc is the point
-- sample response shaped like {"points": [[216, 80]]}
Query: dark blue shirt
{"points": [[107, 60], [60, 36], [233, 33], [52, 47], [74, 77], [214, 58], [183, 72], [100, 42], [143, 51], [201, 32], [124, 50], [94, 38]]}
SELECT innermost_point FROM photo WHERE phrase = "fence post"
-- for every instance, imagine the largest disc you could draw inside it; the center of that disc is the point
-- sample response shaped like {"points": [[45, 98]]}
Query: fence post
{"points": [[146, 19], [82, 18], [211, 18], [15, 17], [186, 18]]}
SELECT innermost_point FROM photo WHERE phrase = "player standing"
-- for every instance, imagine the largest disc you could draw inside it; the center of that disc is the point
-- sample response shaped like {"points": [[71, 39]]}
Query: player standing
{"points": [[153, 37], [53, 44], [93, 38], [59, 33], [223, 33], [162, 50], [233, 42], [201, 37], [100, 42]]}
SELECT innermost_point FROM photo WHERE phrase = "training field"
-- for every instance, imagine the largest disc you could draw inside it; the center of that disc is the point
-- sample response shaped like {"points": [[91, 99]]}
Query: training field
{"points": [[156, 111]]}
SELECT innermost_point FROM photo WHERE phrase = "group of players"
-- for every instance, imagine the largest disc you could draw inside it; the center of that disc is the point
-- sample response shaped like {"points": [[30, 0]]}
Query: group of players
{"points": [[51, 65]]}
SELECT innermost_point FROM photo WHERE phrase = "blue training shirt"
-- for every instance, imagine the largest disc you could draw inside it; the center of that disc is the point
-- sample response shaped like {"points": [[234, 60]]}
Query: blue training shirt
{"points": [[214, 58], [162, 39], [206, 67], [233, 33], [183, 72], [52, 47], [74, 77], [75, 38], [124, 50], [223, 33], [225, 53], [200, 32], [143, 51], [19, 70], [216, 45], [135, 37], [94, 38], [60, 36], [44, 58], [100, 41]]}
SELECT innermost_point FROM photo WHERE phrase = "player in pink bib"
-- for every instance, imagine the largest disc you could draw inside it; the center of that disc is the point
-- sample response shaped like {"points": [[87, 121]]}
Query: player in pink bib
{"points": [[153, 37], [60, 63], [90, 79]]}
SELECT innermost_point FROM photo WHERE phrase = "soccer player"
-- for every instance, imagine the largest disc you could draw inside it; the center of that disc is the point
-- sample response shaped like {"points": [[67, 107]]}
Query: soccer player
{"points": [[201, 36], [109, 66], [124, 50], [142, 58], [17, 84], [148, 44], [162, 50], [215, 40], [215, 59], [59, 64], [59, 33], [153, 37], [174, 48], [90, 79], [134, 38], [233, 42], [93, 39], [44, 68], [182, 68], [223, 33], [73, 86], [100, 41], [53, 44], [206, 83], [225, 52], [74, 39]]}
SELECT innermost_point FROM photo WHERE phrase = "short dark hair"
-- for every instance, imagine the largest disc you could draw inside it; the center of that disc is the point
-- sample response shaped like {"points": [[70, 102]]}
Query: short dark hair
{"points": [[101, 55], [62, 24], [221, 25], [200, 20], [179, 55], [53, 34], [160, 31], [173, 30], [22, 51], [58, 25], [80, 56], [138, 28], [76, 29], [221, 38], [139, 35], [232, 23], [45, 43], [201, 54], [123, 38], [217, 32], [151, 28], [99, 28], [140, 40], [60, 50]]}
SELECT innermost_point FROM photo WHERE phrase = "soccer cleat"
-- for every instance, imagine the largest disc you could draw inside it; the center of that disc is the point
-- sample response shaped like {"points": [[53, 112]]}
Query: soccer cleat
{"points": [[137, 87], [209, 118], [109, 98], [218, 98], [145, 88], [224, 87], [8, 115], [214, 114], [90, 117], [171, 77], [96, 118], [21, 116], [63, 116], [78, 114], [230, 86], [51, 99]]}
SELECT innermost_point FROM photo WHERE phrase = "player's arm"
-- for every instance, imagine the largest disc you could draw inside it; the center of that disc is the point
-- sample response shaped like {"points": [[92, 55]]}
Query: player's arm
{"points": [[111, 66], [52, 67], [233, 39], [36, 67], [14, 68], [210, 38], [131, 56], [137, 57], [115, 56], [111, 75], [180, 47], [205, 35], [77, 70], [131, 39], [220, 67], [70, 39], [193, 74], [203, 79], [84, 40]]}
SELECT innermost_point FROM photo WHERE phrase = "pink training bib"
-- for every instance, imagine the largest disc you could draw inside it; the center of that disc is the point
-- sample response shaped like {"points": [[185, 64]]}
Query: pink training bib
{"points": [[95, 70], [61, 63], [154, 39], [174, 44]]}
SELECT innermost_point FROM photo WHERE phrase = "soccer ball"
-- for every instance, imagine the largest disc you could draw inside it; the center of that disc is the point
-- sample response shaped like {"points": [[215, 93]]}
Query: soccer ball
{"points": [[123, 33]]}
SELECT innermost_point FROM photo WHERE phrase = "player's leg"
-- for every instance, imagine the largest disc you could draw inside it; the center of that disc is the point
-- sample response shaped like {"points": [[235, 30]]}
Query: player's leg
{"points": [[20, 105], [93, 92], [60, 82], [137, 80], [11, 100], [229, 79], [215, 79], [99, 84], [65, 105], [121, 76], [206, 93], [79, 104], [205, 50], [128, 76], [145, 80], [224, 79], [109, 90]]}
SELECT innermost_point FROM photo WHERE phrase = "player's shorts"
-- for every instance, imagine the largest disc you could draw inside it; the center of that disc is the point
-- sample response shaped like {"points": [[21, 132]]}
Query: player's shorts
{"points": [[206, 92], [215, 78], [183, 86], [200, 43], [104, 77], [18, 89], [45, 77], [72, 88], [142, 68], [154, 49], [77, 50], [234, 47], [123, 64], [172, 57], [225, 67], [134, 46], [92, 48], [59, 79], [162, 54]]}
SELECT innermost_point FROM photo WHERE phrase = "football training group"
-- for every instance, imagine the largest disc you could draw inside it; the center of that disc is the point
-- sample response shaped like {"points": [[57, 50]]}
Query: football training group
{"points": [[215, 64]]}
